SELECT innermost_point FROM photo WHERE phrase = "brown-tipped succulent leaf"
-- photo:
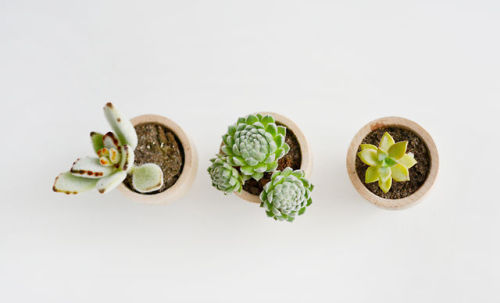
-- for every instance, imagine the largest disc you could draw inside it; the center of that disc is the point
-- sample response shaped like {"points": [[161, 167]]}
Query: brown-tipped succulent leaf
{"points": [[70, 184], [127, 158], [147, 178], [90, 167], [121, 125], [108, 183]]}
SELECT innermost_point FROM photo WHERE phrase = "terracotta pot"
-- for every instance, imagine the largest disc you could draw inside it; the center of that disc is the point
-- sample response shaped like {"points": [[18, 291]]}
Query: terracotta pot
{"points": [[306, 164], [189, 169], [358, 183]]}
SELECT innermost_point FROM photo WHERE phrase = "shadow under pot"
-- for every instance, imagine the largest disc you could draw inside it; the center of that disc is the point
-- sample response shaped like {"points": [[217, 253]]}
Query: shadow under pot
{"points": [[163, 142], [299, 157], [392, 162]]}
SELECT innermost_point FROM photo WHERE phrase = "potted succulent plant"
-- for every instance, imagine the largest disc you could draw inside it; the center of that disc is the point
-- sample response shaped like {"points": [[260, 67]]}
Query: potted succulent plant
{"points": [[264, 158], [150, 158], [392, 162]]}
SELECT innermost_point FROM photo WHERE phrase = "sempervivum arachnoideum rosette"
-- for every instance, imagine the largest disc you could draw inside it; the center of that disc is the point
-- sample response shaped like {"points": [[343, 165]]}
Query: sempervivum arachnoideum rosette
{"points": [[225, 177], [251, 148], [287, 195], [115, 159], [255, 144]]}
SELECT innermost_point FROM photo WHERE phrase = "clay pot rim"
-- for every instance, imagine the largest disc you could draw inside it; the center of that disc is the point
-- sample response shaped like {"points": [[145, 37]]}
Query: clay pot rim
{"points": [[401, 123], [306, 164], [189, 169]]}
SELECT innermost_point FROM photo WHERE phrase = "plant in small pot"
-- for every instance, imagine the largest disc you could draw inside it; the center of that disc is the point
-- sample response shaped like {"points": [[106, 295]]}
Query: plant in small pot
{"points": [[264, 158], [392, 162], [143, 157]]}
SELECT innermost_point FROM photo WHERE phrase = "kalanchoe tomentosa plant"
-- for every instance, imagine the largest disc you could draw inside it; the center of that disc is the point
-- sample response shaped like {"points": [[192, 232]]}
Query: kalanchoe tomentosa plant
{"points": [[387, 161], [286, 195], [251, 148], [114, 160]]}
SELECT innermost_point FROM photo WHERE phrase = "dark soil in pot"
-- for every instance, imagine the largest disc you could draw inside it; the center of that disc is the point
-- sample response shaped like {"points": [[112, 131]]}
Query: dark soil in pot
{"points": [[158, 144], [293, 159], [418, 173]]}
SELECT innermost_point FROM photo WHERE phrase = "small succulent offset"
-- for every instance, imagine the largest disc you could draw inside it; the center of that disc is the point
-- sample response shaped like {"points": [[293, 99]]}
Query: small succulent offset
{"points": [[387, 161], [286, 195], [114, 160], [225, 177], [251, 148]]}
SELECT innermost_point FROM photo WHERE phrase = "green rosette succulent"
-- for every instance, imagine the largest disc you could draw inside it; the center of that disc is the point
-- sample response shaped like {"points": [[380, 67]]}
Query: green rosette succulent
{"points": [[386, 162], [225, 177], [255, 144], [113, 161], [286, 195]]}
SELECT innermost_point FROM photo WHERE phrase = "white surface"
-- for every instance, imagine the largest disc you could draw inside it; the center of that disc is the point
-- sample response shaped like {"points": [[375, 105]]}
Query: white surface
{"points": [[331, 66]]}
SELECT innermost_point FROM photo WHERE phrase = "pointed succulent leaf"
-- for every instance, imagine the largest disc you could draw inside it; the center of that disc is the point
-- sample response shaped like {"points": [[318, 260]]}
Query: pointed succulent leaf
{"points": [[407, 161], [147, 178], [96, 139], [368, 156], [108, 183], [69, 184], [385, 186], [397, 150], [400, 173], [89, 167], [110, 140], [371, 174], [224, 177], [121, 125], [386, 142], [368, 146], [384, 173]]}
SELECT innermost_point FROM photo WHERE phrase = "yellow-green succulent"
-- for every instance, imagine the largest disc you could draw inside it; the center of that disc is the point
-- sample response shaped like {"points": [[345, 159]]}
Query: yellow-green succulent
{"points": [[387, 161]]}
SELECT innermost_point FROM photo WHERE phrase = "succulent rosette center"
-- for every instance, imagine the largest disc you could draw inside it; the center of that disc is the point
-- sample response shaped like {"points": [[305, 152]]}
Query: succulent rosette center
{"points": [[287, 195], [255, 144]]}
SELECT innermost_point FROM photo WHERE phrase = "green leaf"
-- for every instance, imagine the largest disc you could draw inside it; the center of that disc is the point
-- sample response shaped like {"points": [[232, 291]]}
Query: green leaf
{"points": [[268, 120], [272, 129], [398, 150], [108, 183], [251, 119], [371, 174], [121, 125], [69, 184], [384, 173], [282, 130], [386, 142], [400, 173], [96, 139], [385, 186], [390, 162], [407, 161], [368, 146], [147, 178], [368, 156]]}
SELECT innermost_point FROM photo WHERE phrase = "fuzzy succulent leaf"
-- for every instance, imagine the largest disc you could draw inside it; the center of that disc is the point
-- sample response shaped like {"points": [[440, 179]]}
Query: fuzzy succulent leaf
{"points": [[69, 184], [147, 178], [127, 158], [225, 177], [255, 143], [121, 126], [387, 162], [90, 167], [108, 183], [286, 195]]}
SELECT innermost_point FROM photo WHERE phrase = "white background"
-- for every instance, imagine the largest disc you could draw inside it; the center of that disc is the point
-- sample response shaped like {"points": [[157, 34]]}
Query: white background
{"points": [[331, 66]]}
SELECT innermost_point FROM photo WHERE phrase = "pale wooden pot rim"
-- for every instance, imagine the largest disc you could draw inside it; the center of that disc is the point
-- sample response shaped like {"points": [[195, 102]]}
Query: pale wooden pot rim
{"points": [[306, 163], [189, 169], [394, 122]]}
